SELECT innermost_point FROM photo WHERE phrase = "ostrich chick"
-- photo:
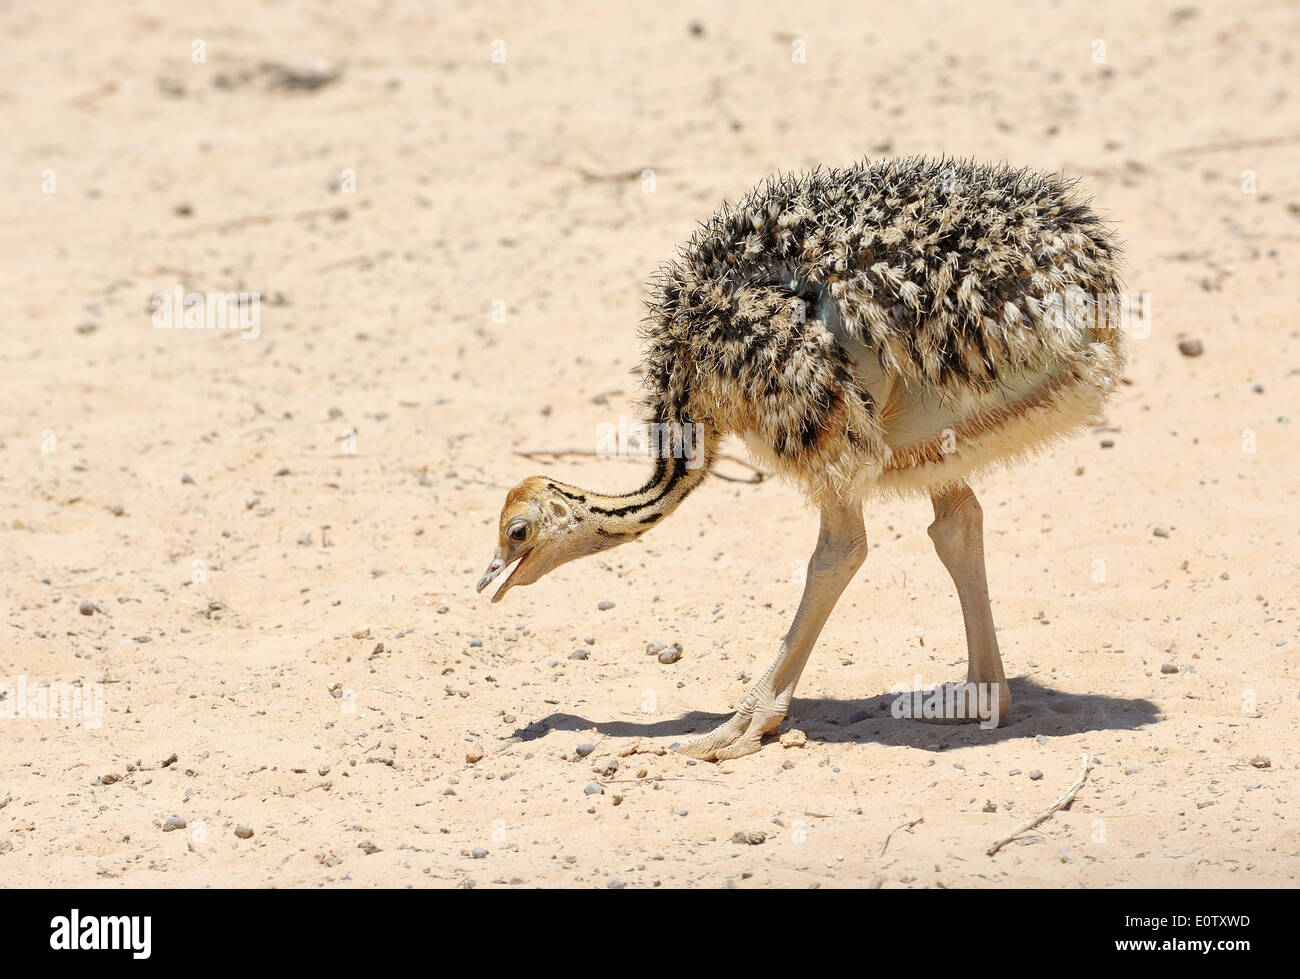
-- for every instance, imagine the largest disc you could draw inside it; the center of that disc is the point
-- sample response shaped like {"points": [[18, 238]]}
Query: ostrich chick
{"points": [[892, 327]]}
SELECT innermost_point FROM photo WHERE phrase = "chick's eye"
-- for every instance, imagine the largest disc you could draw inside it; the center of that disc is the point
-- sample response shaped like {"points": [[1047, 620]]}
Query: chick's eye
{"points": [[517, 532]]}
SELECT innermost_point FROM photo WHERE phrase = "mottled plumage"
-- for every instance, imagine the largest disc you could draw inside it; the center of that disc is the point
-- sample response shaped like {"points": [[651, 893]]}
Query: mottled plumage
{"points": [[853, 324]]}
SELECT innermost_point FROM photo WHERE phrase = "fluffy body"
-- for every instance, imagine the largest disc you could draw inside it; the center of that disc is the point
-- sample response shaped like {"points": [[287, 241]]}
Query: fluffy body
{"points": [[893, 326]]}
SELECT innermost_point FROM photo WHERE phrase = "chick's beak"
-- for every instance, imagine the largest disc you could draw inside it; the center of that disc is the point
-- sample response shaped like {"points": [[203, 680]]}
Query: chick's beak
{"points": [[498, 565], [492, 573]]}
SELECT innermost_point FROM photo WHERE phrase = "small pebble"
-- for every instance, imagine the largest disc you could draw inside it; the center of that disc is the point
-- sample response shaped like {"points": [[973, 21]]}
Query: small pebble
{"points": [[604, 606], [1132, 769], [187, 479], [173, 823], [282, 471], [579, 654], [1261, 761], [615, 884], [752, 837], [858, 716], [584, 749], [1035, 774], [85, 607], [1190, 348], [793, 738], [474, 755], [594, 788], [304, 539], [1160, 531], [243, 832], [670, 654], [1168, 668], [86, 328], [1108, 443], [478, 853]]}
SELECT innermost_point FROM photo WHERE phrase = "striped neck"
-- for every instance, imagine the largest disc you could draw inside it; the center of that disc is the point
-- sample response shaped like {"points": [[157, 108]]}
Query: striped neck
{"points": [[615, 520]]}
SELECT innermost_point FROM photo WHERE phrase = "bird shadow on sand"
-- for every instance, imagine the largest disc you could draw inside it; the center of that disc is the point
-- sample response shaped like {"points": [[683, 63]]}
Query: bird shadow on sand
{"points": [[1035, 710]]}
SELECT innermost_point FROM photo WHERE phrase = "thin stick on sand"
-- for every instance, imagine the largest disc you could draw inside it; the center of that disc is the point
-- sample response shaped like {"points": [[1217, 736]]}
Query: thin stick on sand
{"points": [[1060, 803], [905, 824]]}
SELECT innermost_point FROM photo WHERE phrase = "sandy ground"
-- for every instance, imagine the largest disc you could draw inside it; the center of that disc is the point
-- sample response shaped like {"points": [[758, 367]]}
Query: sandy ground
{"points": [[451, 254]]}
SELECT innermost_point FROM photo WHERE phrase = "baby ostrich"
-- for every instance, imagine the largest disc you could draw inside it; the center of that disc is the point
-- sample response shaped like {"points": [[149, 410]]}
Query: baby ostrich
{"points": [[892, 327]]}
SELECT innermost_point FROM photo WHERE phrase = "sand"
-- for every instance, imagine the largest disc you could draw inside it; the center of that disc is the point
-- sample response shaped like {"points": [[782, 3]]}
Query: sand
{"points": [[451, 252]]}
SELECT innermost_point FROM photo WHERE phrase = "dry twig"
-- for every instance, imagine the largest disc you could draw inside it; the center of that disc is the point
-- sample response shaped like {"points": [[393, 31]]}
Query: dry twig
{"points": [[905, 824], [1060, 803]]}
